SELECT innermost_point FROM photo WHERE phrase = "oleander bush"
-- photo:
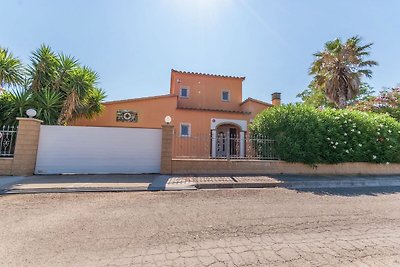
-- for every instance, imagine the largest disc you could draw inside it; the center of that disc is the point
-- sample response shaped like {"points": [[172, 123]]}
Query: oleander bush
{"points": [[308, 135]]}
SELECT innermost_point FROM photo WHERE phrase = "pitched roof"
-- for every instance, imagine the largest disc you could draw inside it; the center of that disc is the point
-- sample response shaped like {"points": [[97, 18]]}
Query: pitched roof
{"points": [[207, 74], [139, 98], [257, 101]]}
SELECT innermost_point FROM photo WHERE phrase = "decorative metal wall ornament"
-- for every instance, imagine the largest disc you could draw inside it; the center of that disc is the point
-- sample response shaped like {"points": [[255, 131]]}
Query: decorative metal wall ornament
{"points": [[127, 116]]}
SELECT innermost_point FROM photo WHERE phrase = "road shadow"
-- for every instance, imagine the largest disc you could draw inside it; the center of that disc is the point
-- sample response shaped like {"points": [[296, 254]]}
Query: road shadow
{"points": [[350, 191], [355, 185]]}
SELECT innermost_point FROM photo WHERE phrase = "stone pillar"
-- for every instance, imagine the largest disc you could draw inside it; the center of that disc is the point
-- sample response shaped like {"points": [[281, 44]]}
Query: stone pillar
{"points": [[26, 146], [166, 148]]}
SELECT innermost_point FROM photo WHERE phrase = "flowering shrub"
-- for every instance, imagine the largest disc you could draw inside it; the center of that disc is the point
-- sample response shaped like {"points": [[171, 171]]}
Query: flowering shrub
{"points": [[388, 101], [305, 134]]}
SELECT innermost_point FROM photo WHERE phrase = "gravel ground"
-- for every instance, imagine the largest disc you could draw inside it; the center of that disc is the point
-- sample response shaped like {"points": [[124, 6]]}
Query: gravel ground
{"points": [[202, 228]]}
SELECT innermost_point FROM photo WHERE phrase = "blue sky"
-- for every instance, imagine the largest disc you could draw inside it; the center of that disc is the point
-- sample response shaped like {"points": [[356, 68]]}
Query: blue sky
{"points": [[133, 44]]}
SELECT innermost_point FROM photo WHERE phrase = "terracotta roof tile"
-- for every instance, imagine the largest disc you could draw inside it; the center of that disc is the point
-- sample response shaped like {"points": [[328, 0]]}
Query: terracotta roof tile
{"points": [[257, 101], [207, 74], [139, 99]]}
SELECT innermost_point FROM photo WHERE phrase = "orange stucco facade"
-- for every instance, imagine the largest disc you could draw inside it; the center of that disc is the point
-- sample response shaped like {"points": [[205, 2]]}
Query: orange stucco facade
{"points": [[206, 99], [199, 104]]}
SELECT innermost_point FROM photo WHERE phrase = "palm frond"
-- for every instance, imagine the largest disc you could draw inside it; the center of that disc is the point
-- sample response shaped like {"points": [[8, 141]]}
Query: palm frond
{"points": [[339, 67], [48, 104], [11, 69], [66, 65], [92, 105], [42, 69]]}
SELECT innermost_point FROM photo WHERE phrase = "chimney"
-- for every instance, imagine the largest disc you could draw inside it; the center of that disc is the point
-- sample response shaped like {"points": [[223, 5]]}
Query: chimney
{"points": [[276, 99]]}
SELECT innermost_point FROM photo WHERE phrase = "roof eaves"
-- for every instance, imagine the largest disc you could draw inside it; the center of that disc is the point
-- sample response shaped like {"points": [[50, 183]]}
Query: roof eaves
{"points": [[257, 101], [139, 99], [208, 74]]}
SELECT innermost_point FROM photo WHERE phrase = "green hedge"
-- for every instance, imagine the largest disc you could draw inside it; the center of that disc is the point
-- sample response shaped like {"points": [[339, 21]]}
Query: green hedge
{"points": [[305, 134]]}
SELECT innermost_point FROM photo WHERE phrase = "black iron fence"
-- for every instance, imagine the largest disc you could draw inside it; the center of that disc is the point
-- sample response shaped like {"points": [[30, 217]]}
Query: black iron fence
{"points": [[8, 135], [231, 146]]}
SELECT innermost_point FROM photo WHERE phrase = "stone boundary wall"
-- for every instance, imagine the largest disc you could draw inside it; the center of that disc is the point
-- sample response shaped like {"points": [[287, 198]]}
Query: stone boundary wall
{"points": [[6, 166], [26, 146], [262, 167], [25, 152]]}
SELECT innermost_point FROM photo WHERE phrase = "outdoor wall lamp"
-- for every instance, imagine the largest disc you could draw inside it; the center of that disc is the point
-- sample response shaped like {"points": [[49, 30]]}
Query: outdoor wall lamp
{"points": [[31, 113], [167, 119]]}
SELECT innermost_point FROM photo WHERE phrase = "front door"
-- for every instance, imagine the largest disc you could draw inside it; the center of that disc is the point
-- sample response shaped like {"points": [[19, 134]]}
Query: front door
{"points": [[227, 140], [233, 140], [221, 144]]}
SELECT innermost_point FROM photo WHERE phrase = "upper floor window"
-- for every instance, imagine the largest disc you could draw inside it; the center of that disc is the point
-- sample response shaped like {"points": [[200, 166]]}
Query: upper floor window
{"points": [[185, 129], [184, 92], [226, 96]]}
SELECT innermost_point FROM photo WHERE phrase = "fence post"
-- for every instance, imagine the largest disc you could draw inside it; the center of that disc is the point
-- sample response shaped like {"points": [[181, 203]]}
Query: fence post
{"points": [[26, 146], [214, 143], [228, 147], [242, 145], [166, 148]]}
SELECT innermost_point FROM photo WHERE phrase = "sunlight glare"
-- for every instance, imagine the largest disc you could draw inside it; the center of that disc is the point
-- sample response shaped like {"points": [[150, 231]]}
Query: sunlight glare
{"points": [[199, 5]]}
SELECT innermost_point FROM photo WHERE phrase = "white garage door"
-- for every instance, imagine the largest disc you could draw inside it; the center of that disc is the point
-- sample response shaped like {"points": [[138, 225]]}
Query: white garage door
{"points": [[95, 150]]}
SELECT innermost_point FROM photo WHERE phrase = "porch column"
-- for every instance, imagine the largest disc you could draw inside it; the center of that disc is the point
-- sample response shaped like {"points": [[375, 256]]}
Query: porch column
{"points": [[242, 146], [213, 143]]}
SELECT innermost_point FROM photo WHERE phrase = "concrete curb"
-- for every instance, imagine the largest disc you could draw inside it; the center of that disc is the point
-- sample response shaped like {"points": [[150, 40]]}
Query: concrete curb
{"points": [[163, 183], [70, 190], [340, 184], [172, 188], [236, 185]]}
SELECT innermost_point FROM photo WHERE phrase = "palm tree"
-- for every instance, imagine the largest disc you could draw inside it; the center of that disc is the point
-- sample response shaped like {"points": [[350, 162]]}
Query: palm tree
{"points": [[48, 105], [42, 70], [18, 102], [338, 69], [56, 85], [78, 85], [11, 69], [5, 105], [91, 105], [66, 64], [63, 75]]}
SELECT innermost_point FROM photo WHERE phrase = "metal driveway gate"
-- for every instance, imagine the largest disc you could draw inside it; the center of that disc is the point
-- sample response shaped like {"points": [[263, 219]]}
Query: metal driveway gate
{"points": [[96, 150]]}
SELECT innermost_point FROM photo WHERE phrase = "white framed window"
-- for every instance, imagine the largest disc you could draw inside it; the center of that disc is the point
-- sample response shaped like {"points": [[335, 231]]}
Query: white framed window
{"points": [[184, 93], [225, 95], [185, 130]]}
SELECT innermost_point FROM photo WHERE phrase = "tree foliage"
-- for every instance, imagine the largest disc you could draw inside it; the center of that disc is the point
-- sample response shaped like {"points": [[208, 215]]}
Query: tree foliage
{"points": [[387, 101], [308, 135], [56, 85], [338, 70], [11, 69], [316, 98]]}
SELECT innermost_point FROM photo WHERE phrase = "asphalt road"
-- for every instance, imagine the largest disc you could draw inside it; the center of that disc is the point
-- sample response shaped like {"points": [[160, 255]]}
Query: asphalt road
{"points": [[203, 228]]}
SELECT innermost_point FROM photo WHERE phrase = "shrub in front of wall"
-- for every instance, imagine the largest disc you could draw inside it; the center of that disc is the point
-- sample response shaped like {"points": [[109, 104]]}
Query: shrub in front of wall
{"points": [[305, 134]]}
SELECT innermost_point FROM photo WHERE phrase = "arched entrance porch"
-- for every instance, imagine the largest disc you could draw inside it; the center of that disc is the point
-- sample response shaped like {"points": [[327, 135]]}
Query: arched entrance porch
{"points": [[228, 138]]}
